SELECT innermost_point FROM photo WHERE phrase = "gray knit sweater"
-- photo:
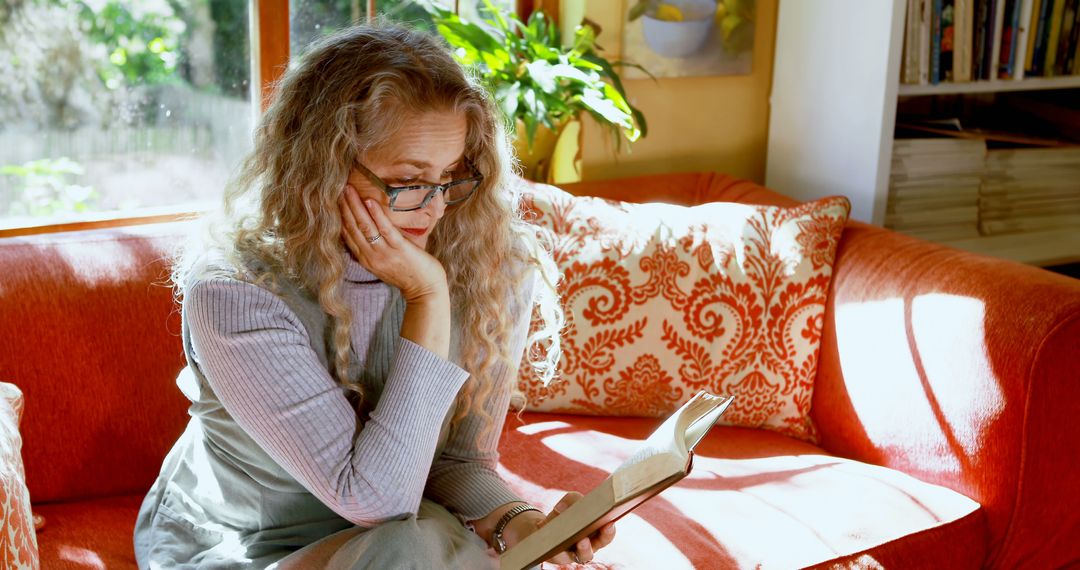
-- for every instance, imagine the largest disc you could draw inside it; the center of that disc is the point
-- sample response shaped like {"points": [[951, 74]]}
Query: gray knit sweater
{"points": [[275, 457]]}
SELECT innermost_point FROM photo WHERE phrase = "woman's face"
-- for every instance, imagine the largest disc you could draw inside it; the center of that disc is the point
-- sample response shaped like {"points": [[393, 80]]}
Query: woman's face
{"points": [[429, 148]]}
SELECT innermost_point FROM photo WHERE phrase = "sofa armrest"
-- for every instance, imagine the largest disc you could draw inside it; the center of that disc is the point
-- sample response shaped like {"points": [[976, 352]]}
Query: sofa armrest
{"points": [[961, 370]]}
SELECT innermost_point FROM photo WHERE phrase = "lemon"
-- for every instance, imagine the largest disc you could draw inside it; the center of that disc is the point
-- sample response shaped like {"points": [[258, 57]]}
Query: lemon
{"points": [[669, 13]]}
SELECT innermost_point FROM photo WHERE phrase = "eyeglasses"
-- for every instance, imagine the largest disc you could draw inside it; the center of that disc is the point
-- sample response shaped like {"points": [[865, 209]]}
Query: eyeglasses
{"points": [[409, 198]]}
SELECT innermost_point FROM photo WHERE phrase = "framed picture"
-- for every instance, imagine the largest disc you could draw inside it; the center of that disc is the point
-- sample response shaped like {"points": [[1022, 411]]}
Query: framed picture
{"points": [[685, 38]]}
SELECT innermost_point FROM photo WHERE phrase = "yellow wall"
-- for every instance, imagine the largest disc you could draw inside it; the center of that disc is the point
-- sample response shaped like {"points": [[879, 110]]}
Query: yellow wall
{"points": [[695, 123]]}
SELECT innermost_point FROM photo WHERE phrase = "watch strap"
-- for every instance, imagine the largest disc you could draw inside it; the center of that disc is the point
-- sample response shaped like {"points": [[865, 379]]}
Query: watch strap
{"points": [[497, 537]]}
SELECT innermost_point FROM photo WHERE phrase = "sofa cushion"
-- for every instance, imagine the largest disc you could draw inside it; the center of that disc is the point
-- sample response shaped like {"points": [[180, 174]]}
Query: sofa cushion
{"points": [[754, 498], [93, 534], [18, 541], [665, 300]]}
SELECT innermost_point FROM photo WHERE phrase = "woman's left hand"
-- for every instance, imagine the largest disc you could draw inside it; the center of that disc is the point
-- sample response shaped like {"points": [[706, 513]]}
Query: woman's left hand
{"points": [[584, 550]]}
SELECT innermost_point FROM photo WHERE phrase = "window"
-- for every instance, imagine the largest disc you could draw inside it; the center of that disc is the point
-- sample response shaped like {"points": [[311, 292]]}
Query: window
{"points": [[311, 19], [120, 107], [134, 108]]}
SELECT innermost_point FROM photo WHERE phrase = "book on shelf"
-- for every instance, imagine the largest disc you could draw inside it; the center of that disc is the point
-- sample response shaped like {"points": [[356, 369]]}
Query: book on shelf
{"points": [[1042, 28], [1022, 36], [909, 72], [661, 460], [935, 43], [1053, 34], [963, 16], [1063, 62], [978, 37], [994, 38], [1032, 32], [948, 35], [988, 40], [1007, 51], [925, 8]]}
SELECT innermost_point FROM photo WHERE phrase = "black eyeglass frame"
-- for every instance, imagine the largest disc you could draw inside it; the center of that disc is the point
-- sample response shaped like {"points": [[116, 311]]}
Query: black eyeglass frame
{"points": [[393, 191]]}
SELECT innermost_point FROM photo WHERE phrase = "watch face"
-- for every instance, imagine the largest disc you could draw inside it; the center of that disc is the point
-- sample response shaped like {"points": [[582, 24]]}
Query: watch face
{"points": [[500, 544]]}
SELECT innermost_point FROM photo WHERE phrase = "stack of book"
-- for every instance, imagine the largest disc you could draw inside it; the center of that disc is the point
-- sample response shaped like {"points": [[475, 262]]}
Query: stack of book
{"points": [[934, 187], [1030, 190], [972, 40]]}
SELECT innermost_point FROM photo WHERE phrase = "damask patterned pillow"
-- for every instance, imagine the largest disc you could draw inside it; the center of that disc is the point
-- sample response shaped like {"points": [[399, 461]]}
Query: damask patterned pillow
{"points": [[18, 541], [663, 301]]}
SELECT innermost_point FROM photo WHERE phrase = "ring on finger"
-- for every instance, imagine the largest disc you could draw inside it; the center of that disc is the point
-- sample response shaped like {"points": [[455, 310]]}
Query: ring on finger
{"points": [[372, 240], [574, 555]]}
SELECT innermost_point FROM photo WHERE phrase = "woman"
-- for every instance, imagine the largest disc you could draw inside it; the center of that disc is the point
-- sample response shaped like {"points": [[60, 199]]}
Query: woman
{"points": [[353, 337]]}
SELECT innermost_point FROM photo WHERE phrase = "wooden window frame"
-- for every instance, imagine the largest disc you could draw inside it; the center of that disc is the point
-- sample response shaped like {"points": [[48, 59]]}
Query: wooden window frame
{"points": [[270, 59]]}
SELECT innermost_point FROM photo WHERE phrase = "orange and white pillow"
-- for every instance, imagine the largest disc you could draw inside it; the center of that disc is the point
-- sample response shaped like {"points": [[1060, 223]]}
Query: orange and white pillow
{"points": [[663, 301], [18, 541]]}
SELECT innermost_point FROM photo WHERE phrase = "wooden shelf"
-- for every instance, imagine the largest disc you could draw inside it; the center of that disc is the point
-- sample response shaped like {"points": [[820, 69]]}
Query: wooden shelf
{"points": [[1029, 84], [1051, 247]]}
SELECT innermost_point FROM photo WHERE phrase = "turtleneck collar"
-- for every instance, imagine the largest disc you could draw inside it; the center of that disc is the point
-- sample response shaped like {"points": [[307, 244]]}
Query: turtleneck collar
{"points": [[355, 272]]}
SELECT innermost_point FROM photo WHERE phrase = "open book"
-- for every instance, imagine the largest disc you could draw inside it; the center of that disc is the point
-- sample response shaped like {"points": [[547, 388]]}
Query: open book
{"points": [[661, 460]]}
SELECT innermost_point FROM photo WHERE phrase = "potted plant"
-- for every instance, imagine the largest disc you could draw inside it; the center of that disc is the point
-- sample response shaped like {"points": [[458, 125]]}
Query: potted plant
{"points": [[540, 85]]}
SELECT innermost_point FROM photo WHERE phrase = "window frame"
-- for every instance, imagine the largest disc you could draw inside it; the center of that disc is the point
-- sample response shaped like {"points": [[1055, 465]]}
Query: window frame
{"points": [[269, 60]]}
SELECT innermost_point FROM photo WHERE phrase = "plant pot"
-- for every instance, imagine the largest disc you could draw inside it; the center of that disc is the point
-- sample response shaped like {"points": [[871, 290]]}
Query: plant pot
{"points": [[681, 39], [537, 160]]}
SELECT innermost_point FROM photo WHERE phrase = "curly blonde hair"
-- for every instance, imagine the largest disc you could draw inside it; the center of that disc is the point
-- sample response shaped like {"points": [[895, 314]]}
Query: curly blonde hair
{"points": [[345, 98]]}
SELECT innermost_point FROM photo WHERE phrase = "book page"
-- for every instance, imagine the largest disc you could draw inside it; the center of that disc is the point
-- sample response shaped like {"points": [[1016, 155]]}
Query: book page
{"points": [[682, 430]]}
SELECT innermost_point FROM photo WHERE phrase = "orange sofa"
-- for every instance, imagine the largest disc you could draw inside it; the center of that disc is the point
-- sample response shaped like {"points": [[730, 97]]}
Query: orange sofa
{"points": [[945, 399]]}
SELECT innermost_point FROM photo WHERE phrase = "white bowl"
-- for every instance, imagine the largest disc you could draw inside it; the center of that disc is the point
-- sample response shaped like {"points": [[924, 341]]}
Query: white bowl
{"points": [[681, 39]]}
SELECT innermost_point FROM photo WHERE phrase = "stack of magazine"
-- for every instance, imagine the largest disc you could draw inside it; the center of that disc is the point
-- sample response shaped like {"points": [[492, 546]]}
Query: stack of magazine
{"points": [[1030, 190], [934, 187]]}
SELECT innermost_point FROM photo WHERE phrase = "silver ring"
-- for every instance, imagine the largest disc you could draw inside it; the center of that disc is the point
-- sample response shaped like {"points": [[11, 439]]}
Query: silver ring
{"points": [[375, 239]]}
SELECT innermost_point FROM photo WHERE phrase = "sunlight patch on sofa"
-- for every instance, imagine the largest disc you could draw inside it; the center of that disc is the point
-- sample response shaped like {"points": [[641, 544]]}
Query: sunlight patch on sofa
{"points": [[538, 427], [950, 337], [99, 261], [599, 450], [930, 354], [642, 545], [82, 557]]}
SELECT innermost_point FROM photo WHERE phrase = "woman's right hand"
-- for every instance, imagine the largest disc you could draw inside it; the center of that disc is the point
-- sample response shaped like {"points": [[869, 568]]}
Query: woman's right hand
{"points": [[392, 258]]}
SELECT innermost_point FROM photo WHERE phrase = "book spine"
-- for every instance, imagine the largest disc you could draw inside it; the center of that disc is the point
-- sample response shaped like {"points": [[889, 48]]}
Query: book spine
{"points": [[995, 46], [948, 35], [969, 31], [910, 71], [978, 38], [1038, 55], [1064, 47], [960, 34], [1008, 40], [1076, 48], [1052, 40], [925, 9], [1033, 32], [1022, 34], [935, 43]]}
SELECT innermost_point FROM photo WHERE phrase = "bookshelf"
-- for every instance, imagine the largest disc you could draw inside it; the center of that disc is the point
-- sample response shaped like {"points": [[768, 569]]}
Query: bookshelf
{"points": [[833, 107], [1029, 84]]}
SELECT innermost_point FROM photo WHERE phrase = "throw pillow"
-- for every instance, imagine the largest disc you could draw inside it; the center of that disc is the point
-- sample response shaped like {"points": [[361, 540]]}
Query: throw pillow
{"points": [[662, 301], [18, 541]]}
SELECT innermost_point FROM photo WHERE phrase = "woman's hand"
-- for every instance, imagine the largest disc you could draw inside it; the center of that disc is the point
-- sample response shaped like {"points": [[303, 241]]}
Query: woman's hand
{"points": [[392, 258], [582, 552]]}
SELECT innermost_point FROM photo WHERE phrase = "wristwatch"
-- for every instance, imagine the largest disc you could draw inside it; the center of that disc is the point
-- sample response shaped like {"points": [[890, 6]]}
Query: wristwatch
{"points": [[497, 537]]}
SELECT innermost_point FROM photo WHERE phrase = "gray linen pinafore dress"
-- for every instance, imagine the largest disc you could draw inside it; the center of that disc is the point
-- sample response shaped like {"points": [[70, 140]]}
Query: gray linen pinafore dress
{"points": [[222, 501]]}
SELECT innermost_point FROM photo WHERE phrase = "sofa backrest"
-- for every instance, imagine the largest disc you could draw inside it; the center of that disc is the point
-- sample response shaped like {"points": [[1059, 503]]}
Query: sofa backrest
{"points": [[90, 333]]}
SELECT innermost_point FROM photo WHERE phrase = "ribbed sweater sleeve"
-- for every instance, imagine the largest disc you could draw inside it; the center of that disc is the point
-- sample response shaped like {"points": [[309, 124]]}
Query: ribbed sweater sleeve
{"points": [[256, 355], [463, 478]]}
